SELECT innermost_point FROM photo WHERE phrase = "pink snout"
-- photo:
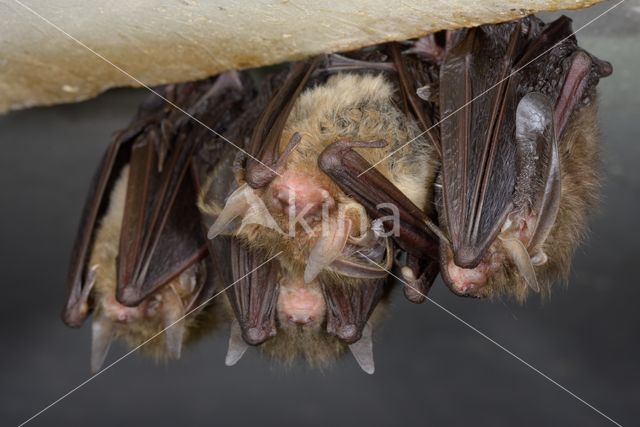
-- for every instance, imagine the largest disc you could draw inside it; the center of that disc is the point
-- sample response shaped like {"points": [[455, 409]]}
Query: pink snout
{"points": [[301, 306], [300, 195]]}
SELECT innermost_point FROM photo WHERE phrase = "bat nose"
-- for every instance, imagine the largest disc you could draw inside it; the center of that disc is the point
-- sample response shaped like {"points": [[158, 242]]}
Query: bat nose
{"points": [[467, 280], [300, 319], [300, 306], [299, 196]]}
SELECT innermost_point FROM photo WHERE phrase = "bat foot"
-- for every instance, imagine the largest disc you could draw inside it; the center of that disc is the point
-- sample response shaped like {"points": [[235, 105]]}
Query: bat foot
{"points": [[349, 333]]}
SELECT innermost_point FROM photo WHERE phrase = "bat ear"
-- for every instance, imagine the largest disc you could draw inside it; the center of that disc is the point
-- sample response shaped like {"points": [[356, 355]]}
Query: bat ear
{"points": [[102, 335], [79, 305], [539, 164], [236, 206], [243, 207], [173, 323], [237, 346], [362, 350], [521, 259], [328, 247]]}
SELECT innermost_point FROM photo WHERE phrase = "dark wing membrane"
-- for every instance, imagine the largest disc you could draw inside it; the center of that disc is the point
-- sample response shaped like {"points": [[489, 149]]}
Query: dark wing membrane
{"points": [[268, 130], [162, 232], [412, 71], [477, 101], [253, 294], [371, 189], [78, 305], [349, 307], [80, 278]]}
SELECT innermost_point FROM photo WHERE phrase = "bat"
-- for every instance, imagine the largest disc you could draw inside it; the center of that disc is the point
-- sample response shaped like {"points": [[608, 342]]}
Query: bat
{"points": [[518, 146], [140, 258], [320, 297], [519, 162], [472, 153]]}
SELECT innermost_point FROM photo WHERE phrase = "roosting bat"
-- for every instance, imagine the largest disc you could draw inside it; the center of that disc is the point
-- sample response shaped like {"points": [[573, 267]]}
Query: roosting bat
{"points": [[317, 298], [519, 155], [519, 163], [473, 152], [139, 261]]}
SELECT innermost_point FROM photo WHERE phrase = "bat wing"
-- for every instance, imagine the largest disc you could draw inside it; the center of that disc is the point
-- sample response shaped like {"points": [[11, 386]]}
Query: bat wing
{"points": [[476, 98], [254, 294], [372, 189], [162, 234], [416, 235], [349, 307], [80, 279], [161, 231], [411, 76], [267, 132], [485, 74]]}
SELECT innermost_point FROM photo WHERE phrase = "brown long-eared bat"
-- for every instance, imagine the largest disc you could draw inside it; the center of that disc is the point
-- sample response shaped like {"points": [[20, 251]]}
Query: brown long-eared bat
{"points": [[520, 162], [472, 153]]}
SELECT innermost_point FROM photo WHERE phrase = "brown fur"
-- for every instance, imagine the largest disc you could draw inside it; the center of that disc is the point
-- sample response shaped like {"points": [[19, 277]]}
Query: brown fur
{"points": [[580, 164], [353, 107]]}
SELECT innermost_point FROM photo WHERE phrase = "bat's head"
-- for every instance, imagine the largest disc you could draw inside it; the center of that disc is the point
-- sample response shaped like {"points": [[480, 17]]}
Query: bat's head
{"points": [[334, 256], [167, 314], [320, 321], [307, 218], [301, 313], [504, 264]]}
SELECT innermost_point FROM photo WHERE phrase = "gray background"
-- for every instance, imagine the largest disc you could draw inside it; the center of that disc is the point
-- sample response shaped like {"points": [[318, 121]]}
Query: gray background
{"points": [[431, 369]]}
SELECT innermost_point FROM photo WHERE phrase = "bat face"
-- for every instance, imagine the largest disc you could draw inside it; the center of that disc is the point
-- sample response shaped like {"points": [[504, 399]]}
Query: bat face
{"points": [[289, 319], [300, 321], [302, 212]]}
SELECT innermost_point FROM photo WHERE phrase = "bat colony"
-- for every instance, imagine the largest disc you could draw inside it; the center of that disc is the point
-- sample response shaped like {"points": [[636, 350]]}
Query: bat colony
{"points": [[471, 153]]}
